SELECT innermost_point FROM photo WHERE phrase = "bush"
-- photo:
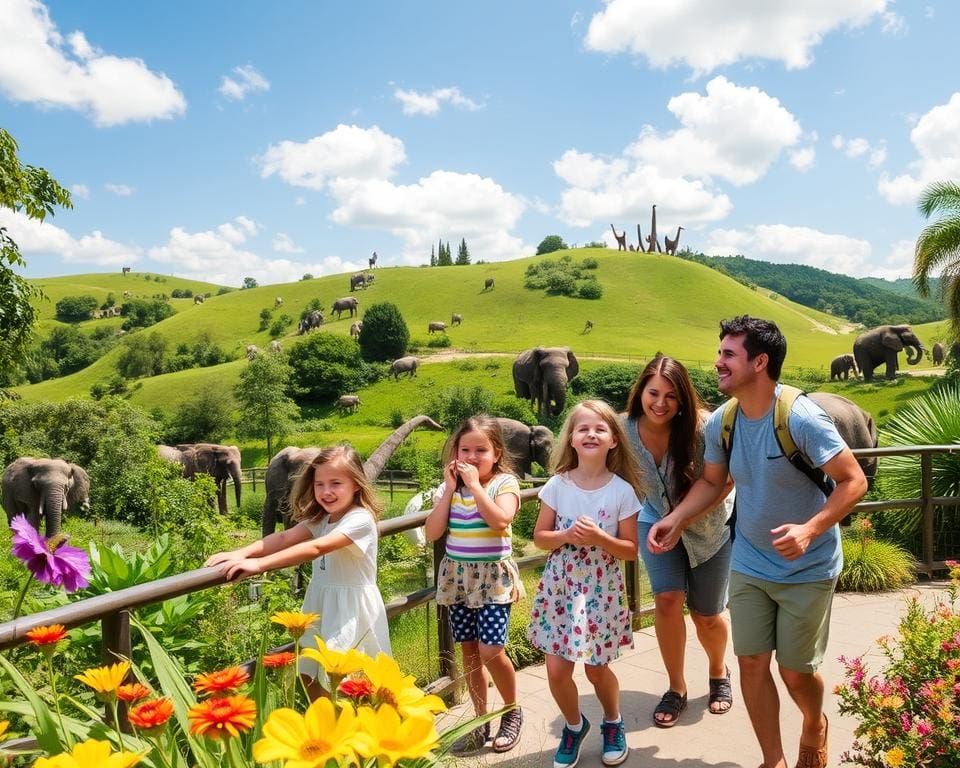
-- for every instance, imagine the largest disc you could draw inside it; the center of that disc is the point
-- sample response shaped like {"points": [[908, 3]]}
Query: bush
{"points": [[326, 365], [590, 263], [870, 565], [590, 289], [73, 309], [551, 243], [265, 316], [208, 417], [608, 382], [142, 313], [438, 340], [280, 325], [563, 277], [707, 385], [181, 293], [384, 335], [143, 355], [451, 406]]}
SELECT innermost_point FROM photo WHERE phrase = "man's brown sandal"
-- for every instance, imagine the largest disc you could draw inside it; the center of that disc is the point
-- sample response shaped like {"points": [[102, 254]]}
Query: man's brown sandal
{"points": [[815, 757]]}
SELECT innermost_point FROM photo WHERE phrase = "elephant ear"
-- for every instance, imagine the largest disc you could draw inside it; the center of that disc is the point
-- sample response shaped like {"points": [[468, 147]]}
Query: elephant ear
{"points": [[537, 354], [892, 341], [80, 491], [573, 367]]}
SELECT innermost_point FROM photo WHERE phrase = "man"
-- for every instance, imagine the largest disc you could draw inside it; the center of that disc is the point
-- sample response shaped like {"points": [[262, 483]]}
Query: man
{"points": [[786, 551]]}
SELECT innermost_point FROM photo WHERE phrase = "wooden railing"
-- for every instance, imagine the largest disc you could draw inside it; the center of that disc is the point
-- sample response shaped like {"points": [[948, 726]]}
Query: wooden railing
{"points": [[390, 480], [112, 610]]}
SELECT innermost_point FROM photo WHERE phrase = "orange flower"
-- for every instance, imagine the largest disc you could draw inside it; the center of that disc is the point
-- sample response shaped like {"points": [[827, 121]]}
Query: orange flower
{"points": [[132, 692], [47, 635], [356, 688], [150, 715], [219, 718], [280, 659], [222, 681]]}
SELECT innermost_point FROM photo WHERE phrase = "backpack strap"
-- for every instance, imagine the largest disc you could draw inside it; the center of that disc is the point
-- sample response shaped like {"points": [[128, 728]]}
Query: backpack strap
{"points": [[727, 424], [781, 431]]}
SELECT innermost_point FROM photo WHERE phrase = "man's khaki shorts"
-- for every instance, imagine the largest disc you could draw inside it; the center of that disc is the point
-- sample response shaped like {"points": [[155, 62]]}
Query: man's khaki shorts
{"points": [[791, 619]]}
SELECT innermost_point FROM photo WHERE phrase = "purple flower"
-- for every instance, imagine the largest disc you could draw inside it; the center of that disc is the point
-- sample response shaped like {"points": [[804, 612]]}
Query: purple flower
{"points": [[52, 562]]}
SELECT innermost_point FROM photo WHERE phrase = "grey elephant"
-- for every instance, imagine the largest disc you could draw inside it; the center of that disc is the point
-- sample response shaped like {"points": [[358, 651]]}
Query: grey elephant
{"points": [[841, 366], [348, 303], [436, 326], [310, 321], [406, 364], [44, 488], [221, 462], [287, 464], [937, 353], [348, 402], [854, 424], [541, 375], [488, 284], [456, 319], [524, 444], [882, 345]]}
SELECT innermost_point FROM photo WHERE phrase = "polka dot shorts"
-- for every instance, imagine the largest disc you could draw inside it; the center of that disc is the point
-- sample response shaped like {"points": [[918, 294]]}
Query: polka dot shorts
{"points": [[487, 624]]}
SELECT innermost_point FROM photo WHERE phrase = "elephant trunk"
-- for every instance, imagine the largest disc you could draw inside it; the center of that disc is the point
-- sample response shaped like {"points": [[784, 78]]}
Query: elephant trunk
{"points": [[51, 510], [373, 466], [918, 351], [237, 478], [555, 390]]}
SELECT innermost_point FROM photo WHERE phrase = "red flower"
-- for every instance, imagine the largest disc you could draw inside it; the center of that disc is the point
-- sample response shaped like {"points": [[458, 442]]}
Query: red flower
{"points": [[280, 659], [132, 692], [150, 715], [356, 688], [222, 681], [47, 635], [219, 718]]}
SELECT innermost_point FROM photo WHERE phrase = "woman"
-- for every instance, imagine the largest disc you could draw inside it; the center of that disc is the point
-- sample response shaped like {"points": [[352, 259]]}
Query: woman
{"points": [[664, 421]]}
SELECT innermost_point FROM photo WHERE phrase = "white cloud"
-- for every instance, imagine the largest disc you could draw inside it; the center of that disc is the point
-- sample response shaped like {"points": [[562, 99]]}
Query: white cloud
{"points": [[222, 255], [300, 200], [443, 204], [347, 151], [803, 159], [859, 146], [80, 190], [705, 34], [898, 262], [43, 238], [415, 103], [893, 23], [784, 244], [120, 190], [576, 19], [730, 133], [283, 244], [248, 81], [878, 155], [936, 138], [39, 66]]}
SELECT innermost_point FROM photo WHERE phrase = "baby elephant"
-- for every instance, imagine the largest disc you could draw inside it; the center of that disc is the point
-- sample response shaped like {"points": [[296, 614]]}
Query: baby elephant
{"points": [[841, 366], [436, 326], [348, 402], [456, 320]]}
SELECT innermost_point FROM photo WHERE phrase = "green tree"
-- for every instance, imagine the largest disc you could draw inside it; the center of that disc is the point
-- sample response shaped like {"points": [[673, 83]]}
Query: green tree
{"points": [[35, 193], [384, 335], [142, 313], [327, 365], [75, 309], [143, 355], [206, 417], [266, 412], [249, 282], [443, 256], [307, 276], [938, 247], [433, 257], [551, 243], [463, 254]]}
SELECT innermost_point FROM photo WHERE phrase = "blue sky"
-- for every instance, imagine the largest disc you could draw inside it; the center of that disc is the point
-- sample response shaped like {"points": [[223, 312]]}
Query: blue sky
{"points": [[219, 140]]}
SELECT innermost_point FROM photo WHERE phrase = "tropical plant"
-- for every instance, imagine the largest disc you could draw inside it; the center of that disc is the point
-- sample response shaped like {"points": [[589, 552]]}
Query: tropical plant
{"points": [[870, 564], [938, 247], [909, 713], [932, 419]]}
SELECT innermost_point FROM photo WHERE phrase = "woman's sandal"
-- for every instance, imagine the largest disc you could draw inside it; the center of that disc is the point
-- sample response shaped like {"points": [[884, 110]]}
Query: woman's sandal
{"points": [[721, 692], [671, 704], [815, 757]]}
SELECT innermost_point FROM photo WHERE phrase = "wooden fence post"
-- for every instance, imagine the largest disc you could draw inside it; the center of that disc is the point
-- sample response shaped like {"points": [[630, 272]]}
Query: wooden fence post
{"points": [[114, 646], [926, 494], [446, 648]]}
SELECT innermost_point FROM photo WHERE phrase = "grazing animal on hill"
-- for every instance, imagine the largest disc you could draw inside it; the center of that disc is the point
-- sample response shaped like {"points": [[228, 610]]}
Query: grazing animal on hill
{"points": [[436, 326], [372, 261], [252, 351], [198, 299], [311, 321], [406, 364], [937, 353], [841, 366], [348, 402], [348, 303], [488, 284], [456, 319], [587, 327], [355, 329], [278, 302]]}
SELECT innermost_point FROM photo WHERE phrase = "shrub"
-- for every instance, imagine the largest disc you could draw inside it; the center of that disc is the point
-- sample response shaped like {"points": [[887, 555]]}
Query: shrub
{"points": [[265, 316], [143, 355], [73, 309], [590, 289], [142, 313], [563, 277], [870, 565], [590, 263], [181, 293], [551, 243], [207, 417], [451, 406], [707, 385], [325, 365], [439, 340], [608, 382], [561, 282], [384, 335], [280, 325]]}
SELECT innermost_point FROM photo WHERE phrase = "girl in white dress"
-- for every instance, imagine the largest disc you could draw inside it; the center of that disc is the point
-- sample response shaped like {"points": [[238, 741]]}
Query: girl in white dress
{"points": [[588, 521], [336, 510]]}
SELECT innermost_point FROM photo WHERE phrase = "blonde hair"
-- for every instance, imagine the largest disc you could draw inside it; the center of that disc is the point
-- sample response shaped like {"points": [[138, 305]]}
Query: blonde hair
{"points": [[303, 501], [487, 426], [620, 459]]}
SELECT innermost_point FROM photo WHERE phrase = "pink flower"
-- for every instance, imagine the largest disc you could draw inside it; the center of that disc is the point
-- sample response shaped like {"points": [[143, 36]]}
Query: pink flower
{"points": [[50, 560]]}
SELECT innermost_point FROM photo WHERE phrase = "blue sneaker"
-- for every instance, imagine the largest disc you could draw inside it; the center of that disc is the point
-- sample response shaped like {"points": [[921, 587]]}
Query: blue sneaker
{"points": [[570, 742], [615, 749]]}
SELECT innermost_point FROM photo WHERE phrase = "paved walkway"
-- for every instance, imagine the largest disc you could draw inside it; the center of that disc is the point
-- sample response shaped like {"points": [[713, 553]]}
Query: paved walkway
{"points": [[700, 739]]}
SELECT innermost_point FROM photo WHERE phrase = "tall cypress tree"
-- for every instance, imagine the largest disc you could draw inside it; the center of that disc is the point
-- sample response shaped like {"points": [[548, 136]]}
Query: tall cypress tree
{"points": [[463, 255], [443, 259], [433, 257]]}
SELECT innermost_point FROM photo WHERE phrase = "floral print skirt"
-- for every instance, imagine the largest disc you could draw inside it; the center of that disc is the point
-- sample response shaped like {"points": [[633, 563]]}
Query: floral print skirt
{"points": [[580, 612], [476, 583]]}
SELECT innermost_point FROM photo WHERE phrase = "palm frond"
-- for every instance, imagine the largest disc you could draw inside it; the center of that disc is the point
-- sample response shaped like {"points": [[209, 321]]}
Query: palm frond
{"points": [[939, 196]]}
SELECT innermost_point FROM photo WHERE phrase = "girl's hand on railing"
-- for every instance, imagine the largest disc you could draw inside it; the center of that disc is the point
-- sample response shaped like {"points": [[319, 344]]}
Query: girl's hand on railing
{"points": [[221, 557], [238, 569]]}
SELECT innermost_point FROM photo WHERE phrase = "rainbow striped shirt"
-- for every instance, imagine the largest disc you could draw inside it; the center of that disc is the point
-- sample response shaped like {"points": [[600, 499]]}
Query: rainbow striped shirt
{"points": [[469, 538]]}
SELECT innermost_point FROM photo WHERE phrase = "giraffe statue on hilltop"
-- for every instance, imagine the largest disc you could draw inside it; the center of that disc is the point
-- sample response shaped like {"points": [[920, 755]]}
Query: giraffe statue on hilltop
{"points": [[670, 246], [652, 242], [621, 239]]}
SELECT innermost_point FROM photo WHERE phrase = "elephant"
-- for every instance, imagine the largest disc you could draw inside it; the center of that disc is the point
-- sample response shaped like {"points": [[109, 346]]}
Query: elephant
{"points": [[198, 299], [342, 305], [221, 462], [406, 364], [252, 351], [456, 319], [287, 464], [955, 352], [881, 345], [488, 284], [312, 320], [360, 280], [525, 445], [937, 353], [841, 366], [854, 424], [44, 488], [436, 326], [355, 329], [348, 402], [275, 347], [541, 375]]}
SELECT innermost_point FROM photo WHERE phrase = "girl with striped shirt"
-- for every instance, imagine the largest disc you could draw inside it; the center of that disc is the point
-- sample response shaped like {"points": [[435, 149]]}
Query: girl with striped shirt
{"points": [[478, 579]]}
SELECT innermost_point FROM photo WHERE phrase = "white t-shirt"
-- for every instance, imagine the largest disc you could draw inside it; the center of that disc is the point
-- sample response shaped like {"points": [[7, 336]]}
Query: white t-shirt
{"points": [[607, 505]]}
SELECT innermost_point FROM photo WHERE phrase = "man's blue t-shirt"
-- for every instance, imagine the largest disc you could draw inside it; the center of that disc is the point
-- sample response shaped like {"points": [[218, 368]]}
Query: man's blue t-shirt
{"points": [[772, 492]]}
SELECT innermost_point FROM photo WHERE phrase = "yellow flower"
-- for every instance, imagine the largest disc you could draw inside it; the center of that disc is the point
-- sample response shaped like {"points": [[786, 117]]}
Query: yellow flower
{"points": [[891, 702], [336, 663], [4, 725], [295, 622], [894, 756], [91, 754], [393, 739], [393, 687], [105, 680], [313, 739]]}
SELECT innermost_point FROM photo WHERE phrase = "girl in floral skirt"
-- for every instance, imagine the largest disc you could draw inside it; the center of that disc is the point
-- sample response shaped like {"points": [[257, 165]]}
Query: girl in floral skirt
{"points": [[588, 521]]}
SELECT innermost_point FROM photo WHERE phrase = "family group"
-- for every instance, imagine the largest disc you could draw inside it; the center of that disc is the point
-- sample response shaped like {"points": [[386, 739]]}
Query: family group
{"points": [[658, 480]]}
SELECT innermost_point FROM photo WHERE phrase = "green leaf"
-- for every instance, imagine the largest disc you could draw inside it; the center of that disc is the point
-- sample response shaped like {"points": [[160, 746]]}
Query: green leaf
{"points": [[46, 729]]}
